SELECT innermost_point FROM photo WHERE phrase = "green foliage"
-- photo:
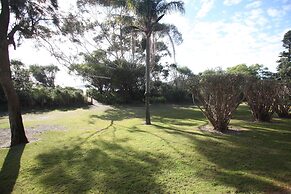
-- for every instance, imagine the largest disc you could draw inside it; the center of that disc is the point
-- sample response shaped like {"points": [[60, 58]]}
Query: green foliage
{"points": [[284, 66], [162, 92], [215, 71], [256, 70], [45, 75], [44, 97], [31, 18], [20, 76], [240, 69], [113, 82], [287, 40]]}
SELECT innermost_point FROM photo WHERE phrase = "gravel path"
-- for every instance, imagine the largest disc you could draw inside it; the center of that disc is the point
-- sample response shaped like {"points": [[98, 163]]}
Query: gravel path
{"points": [[31, 133]]}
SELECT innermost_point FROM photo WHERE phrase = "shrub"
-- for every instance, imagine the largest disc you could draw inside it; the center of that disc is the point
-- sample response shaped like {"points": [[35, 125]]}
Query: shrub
{"points": [[218, 97], [283, 100], [47, 97], [158, 100], [260, 96]]}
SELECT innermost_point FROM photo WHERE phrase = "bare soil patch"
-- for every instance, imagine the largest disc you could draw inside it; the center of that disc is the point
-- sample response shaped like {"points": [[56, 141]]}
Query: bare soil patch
{"points": [[31, 133], [230, 131]]}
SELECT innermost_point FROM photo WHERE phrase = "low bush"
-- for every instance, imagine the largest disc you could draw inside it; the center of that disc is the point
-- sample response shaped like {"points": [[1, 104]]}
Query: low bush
{"points": [[218, 97], [283, 100], [260, 96]]}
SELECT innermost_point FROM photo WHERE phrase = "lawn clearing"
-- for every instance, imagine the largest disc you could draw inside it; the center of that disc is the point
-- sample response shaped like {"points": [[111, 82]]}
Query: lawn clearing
{"points": [[110, 150]]}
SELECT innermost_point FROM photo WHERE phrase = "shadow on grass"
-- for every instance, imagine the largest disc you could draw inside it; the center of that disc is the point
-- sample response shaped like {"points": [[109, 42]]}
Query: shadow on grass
{"points": [[104, 167], [248, 164], [10, 169], [240, 161], [173, 114], [257, 160]]}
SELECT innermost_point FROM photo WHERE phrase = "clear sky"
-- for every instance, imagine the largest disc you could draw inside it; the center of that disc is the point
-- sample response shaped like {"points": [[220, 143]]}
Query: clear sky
{"points": [[216, 33]]}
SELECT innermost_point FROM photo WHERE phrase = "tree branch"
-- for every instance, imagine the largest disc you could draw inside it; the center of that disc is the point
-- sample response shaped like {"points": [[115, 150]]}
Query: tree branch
{"points": [[11, 34]]}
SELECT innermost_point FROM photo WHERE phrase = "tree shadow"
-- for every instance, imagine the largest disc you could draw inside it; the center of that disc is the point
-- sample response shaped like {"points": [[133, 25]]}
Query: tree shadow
{"points": [[248, 167], [106, 167], [174, 114], [119, 113], [255, 160], [10, 169]]}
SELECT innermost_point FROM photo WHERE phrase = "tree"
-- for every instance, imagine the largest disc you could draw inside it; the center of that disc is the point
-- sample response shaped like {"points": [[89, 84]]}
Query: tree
{"points": [[239, 69], [181, 75], [45, 75], [115, 81], [255, 70], [30, 20], [215, 71], [20, 76], [148, 14], [114, 70], [284, 67], [218, 97], [260, 96]]}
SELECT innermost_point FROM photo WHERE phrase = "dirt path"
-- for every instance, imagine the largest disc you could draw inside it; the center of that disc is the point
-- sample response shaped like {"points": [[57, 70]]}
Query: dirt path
{"points": [[31, 133]]}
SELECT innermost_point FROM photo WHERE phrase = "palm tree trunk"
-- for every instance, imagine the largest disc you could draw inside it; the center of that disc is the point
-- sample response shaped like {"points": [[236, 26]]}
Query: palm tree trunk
{"points": [[147, 77]]}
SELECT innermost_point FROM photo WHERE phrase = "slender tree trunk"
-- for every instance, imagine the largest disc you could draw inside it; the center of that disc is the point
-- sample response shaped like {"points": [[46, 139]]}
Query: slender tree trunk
{"points": [[147, 77], [15, 119]]}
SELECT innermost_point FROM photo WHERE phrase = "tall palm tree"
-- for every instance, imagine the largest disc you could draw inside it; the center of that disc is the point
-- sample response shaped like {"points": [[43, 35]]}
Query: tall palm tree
{"points": [[149, 14]]}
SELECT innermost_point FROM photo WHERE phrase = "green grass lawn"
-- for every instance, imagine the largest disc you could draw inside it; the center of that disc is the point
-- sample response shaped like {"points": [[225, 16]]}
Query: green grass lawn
{"points": [[106, 150]]}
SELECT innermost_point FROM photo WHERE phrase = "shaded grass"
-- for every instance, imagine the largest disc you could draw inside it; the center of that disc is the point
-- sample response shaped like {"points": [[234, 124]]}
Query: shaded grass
{"points": [[110, 150]]}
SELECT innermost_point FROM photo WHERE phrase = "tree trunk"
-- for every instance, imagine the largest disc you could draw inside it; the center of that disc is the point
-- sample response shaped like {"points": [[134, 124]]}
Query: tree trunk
{"points": [[147, 77], [15, 119]]}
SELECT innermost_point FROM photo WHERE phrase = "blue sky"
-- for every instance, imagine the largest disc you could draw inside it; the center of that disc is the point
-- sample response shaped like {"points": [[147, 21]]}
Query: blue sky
{"points": [[226, 33], [216, 33]]}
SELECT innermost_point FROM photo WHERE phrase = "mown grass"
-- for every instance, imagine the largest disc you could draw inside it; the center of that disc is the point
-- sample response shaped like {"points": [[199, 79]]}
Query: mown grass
{"points": [[110, 150]]}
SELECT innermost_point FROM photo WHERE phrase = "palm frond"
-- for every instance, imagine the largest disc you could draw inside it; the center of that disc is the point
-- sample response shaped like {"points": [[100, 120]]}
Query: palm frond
{"points": [[172, 33], [173, 6]]}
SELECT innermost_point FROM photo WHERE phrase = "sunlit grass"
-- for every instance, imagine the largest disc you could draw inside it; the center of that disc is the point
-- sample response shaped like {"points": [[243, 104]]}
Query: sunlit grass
{"points": [[111, 151]]}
